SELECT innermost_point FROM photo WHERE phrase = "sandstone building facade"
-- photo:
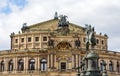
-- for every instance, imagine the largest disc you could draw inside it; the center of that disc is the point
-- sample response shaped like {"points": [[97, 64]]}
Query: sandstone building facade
{"points": [[49, 49]]}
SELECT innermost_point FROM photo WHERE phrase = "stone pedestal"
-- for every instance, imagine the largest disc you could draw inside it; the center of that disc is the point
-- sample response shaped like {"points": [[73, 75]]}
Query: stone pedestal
{"points": [[92, 64]]}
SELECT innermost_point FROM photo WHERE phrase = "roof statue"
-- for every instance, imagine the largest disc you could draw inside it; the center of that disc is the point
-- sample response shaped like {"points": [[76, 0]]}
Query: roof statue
{"points": [[63, 21], [90, 37], [24, 27], [56, 15], [63, 24]]}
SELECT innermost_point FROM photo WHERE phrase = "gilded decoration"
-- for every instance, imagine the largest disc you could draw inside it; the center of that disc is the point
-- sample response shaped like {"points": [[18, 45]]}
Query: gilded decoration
{"points": [[63, 46]]}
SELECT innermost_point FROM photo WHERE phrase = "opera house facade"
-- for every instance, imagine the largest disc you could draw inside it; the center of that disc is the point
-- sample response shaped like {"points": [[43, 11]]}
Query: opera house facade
{"points": [[52, 49]]}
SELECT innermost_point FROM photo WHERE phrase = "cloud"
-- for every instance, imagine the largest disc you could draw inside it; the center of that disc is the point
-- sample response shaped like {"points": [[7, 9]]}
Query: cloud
{"points": [[7, 5], [19, 3], [3, 3], [102, 14]]}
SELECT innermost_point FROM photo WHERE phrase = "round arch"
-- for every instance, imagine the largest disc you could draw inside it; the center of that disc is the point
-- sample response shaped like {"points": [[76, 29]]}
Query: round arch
{"points": [[110, 66], [20, 65], [10, 65], [2, 64], [43, 64], [102, 65], [31, 64]]}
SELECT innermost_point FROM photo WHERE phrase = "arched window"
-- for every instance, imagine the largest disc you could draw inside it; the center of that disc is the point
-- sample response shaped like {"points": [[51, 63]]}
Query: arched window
{"points": [[43, 65], [10, 65], [31, 65], [2, 66], [101, 65], [110, 66], [20, 65], [117, 67]]}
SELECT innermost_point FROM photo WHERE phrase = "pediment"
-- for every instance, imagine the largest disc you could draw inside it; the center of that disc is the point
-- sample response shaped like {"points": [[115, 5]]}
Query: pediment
{"points": [[52, 25]]}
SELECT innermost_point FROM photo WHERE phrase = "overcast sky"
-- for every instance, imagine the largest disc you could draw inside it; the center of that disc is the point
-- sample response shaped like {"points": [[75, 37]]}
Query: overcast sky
{"points": [[104, 15]]}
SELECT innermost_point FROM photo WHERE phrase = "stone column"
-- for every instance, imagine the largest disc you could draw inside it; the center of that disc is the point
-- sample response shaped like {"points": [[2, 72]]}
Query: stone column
{"points": [[32, 41], [72, 61], [19, 42], [99, 63], [51, 60], [48, 63], [76, 60], [114, 65], [107, 66], [55, 61], [38, 63], [15, 63], [40, 42], [6, 65], [26, 64]]}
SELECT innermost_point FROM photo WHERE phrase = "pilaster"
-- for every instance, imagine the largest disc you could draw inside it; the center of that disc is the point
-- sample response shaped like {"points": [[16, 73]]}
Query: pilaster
{"points": [[48, 62], [72, 61], [76, 60], [6, 65], [26, 64], [38, 63]]}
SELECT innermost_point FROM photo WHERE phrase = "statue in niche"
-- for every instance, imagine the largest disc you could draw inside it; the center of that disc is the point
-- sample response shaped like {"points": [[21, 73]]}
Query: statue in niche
{"points": [[51, 43], [77, 43], [90, 37]]}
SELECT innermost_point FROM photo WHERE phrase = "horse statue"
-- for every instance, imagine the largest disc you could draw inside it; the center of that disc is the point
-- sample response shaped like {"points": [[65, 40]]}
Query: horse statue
{"points": [[63, 21]]}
